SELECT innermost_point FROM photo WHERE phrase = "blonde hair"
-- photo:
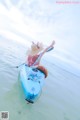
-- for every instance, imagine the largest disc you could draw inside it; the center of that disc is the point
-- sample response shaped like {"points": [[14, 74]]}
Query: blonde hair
{"points": [[35, 48]]}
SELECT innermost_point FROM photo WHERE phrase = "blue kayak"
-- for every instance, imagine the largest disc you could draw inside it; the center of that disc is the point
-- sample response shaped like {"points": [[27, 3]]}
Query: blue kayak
{"points": [[32, 81]]}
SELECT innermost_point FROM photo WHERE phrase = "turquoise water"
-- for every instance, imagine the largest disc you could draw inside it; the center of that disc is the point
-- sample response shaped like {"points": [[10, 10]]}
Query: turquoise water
{"points": [[60, 99]]}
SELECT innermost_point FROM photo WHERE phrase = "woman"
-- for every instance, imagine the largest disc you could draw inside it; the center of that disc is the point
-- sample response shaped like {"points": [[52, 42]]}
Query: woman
{"points": [[35, 54]]}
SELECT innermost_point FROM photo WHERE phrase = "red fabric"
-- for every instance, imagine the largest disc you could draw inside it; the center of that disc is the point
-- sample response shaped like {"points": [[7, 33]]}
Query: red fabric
{"points": [[32, 59]]}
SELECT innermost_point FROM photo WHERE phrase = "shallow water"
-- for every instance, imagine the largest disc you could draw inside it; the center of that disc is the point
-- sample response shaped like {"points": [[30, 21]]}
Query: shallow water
{"points": [[60, 99]]}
